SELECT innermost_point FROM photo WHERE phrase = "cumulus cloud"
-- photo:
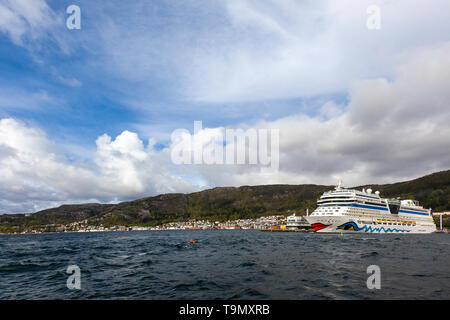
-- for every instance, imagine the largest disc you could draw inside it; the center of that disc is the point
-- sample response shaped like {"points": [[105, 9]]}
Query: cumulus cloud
{"points": [[129, 169], [390, 130], [35, 172]]}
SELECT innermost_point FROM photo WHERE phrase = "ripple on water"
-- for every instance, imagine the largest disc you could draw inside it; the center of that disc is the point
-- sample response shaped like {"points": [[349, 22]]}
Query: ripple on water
{"points": [[369, 254]]}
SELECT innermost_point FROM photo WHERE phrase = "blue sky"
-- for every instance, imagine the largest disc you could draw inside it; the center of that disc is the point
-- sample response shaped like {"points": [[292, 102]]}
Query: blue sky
{"points": [[151, 67], [75, 96], [72, 89]]}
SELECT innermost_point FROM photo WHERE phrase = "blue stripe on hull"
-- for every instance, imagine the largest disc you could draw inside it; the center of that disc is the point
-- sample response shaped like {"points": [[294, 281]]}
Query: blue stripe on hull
{"points": [[354, 227], [356, 205], [380, 229], [368, 207], [414, 212]]}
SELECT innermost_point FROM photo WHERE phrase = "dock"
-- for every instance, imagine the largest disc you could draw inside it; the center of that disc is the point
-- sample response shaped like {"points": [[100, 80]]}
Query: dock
{"points": [[287, 230]]}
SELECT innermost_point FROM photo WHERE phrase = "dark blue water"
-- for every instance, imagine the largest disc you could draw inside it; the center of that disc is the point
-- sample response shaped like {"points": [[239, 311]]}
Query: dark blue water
{"points": [[234, 264]]}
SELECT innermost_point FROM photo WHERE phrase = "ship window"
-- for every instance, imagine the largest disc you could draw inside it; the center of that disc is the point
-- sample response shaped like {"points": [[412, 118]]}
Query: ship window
{"points": [[394, 208]]}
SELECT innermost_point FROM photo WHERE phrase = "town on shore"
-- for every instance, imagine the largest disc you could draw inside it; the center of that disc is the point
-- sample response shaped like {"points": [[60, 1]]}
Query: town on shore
{"points": [[275, 222]]}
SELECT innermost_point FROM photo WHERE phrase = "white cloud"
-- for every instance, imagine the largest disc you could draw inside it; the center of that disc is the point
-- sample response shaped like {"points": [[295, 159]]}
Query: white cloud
{"points": [[390, 130], [24, 18], [72, 82], [35, 172], [286, 49], [248, 50]]}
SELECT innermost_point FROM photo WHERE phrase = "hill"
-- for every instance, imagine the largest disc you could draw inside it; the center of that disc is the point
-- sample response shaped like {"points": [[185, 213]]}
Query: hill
{"points": [[224, 203]]}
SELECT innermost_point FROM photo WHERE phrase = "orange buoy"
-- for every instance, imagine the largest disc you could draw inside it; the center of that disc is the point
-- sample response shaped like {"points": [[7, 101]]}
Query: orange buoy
{"points": [[192, 241]]}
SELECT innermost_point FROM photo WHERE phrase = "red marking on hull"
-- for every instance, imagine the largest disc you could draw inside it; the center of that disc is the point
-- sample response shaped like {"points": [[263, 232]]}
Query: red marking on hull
{"points": [[318, 226]]}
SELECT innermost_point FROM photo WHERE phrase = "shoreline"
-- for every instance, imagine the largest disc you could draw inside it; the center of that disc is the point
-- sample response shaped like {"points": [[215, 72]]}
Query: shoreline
{"points": [[261, 230]]}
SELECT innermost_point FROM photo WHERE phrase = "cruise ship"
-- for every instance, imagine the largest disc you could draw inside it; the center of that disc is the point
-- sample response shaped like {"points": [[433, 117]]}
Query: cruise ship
{"points": [[348, 210]]}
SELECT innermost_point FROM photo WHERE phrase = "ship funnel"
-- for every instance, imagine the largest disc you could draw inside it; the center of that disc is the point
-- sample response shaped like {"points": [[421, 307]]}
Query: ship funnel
{"points": [[377, 193], [369, 191]]}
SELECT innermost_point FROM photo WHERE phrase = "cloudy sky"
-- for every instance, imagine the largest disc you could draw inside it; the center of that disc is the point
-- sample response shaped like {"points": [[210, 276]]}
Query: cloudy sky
{"points": [[88, 114]]}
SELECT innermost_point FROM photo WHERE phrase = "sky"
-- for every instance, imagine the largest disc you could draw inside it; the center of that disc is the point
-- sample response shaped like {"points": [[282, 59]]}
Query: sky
{"points": [[87, 115]]}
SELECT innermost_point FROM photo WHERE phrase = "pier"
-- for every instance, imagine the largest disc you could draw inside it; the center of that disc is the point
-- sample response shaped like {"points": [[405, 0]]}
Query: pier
{"points": [[287, 230], [440, 214]]}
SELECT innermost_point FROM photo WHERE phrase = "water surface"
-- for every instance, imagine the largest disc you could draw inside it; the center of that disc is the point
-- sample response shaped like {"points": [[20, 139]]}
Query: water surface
{"points": [[224, 264]]}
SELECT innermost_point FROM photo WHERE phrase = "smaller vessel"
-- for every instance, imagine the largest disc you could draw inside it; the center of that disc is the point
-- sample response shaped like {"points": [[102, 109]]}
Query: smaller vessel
{"points": [[297, 222]]}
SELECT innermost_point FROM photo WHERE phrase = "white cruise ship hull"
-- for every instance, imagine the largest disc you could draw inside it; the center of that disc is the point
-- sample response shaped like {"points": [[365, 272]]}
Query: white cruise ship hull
{"points": [[345, 224], [349, 210]]}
